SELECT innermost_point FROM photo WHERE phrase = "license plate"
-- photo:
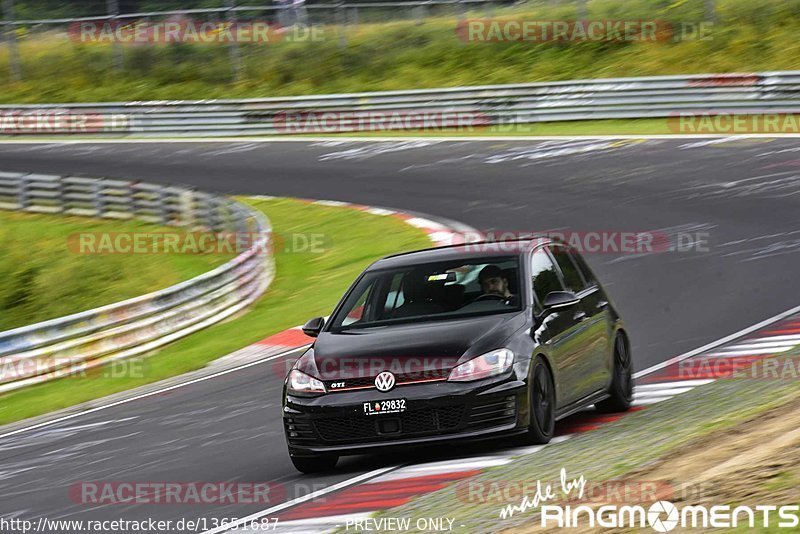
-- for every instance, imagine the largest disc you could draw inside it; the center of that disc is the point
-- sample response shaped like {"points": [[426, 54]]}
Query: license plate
{"points": [[384, 406]]}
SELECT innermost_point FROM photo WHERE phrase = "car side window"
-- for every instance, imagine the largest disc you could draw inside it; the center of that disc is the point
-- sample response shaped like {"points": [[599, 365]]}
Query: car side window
{"points": [[357, 313], [544, 277], [572, 277], [583, 267]]}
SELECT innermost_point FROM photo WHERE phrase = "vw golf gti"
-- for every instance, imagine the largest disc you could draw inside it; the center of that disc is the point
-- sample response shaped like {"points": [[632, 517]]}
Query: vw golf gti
{"points": [[457, 343]]}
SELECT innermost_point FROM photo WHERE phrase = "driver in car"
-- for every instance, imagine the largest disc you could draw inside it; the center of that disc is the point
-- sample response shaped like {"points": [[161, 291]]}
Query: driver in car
{"points": [[494, 282]]}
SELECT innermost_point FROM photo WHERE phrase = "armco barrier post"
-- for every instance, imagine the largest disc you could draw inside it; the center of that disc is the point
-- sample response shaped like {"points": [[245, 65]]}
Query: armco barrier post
{"points": [[233, 46], [60, 195], [22, 192], [98, 201], [185, 207], [711, 10], [113, 13], [11, 37], [341, 22], [163, 212], [583, 9]]}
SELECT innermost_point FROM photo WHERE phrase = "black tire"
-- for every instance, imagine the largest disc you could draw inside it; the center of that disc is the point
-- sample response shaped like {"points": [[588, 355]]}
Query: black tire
{"points": [[621, 389], [314, 464], [543, 404]]}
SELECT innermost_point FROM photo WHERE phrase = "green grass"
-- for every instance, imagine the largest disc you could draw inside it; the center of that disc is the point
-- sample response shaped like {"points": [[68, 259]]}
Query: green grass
{"points": [[43, 278], [663, 126], [750, 36], [643, 127], [611, 451], [307, 284], [571, 128]]}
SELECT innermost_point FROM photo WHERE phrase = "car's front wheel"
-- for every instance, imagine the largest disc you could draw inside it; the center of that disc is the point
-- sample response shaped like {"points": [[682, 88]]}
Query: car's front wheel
{"points": [[314, 464], [621, 390], [543, 404]]}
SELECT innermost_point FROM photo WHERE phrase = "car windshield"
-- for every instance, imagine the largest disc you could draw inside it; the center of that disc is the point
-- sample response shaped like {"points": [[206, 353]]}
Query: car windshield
{"points": [[432, 291]]}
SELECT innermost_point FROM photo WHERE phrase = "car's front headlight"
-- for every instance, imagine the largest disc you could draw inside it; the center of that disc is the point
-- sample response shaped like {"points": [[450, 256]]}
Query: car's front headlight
{"points": [[302, 379], [302, 384], [489, 364]]}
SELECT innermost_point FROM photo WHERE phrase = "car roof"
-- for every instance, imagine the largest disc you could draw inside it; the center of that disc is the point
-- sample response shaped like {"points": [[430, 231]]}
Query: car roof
{"points": [[466, 251]]}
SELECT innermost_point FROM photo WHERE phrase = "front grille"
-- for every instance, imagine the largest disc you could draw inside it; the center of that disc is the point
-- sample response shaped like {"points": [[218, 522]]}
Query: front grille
{"points": [[401, 379], [351, 383], [433, 374], [416, 422], [493, 412]]}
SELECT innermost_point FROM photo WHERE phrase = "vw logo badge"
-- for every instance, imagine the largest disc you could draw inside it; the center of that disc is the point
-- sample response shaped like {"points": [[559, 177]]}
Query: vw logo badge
{"points": [[384, 381]]}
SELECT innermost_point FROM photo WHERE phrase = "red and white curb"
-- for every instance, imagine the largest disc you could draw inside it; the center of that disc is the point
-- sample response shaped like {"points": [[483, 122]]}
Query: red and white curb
{"points": [[399, 485], [440, 233]]}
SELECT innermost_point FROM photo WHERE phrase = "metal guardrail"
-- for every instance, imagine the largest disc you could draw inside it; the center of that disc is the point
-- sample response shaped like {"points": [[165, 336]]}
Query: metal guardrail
{"points": [[493, 105], [78, 342]]}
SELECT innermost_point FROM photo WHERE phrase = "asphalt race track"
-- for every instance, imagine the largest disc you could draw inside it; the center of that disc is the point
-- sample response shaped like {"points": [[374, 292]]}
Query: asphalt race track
{"points": [[741, 195]]}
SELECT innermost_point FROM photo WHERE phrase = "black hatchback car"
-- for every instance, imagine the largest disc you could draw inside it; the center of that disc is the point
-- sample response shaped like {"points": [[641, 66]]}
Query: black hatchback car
{"points": [[457, 343]]}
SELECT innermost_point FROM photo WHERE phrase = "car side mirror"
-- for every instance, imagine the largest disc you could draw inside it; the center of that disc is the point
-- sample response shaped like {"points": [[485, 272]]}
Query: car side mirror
{"points": [[314, 326], [557, 300]]}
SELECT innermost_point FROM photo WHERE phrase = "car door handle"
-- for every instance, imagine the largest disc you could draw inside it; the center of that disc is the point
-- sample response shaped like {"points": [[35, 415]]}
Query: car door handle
{"points": [[602, 304], [579, 316]]}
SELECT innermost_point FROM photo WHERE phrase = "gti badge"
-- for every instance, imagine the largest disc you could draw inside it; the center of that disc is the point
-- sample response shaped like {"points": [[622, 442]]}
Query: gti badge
{"points": [[384, 381]]}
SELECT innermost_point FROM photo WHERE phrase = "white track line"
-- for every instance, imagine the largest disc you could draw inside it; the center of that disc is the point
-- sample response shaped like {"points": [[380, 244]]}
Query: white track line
{"points": [[145, 395], [715, 344], [794, 338], [432, 139], [759, 345], [661, 392], [324, 524], [680, 384], [725, 353], [450, 467], [649, 400], [269, 511], [311, 521]]}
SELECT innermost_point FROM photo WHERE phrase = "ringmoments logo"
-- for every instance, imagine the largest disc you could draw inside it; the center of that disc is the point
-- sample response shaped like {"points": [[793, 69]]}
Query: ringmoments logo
{"points": [[660, 516], [664, 516]]}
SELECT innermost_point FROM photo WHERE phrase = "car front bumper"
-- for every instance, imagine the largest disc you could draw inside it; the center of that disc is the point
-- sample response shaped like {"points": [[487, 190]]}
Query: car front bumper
{"points": [[435, 412]]}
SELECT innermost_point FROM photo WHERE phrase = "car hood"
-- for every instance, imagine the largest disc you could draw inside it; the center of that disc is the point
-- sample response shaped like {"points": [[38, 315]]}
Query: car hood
{"points": [[412, 348]]}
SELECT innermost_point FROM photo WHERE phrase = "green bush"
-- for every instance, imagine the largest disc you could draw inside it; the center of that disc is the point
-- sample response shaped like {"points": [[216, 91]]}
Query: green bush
{"points": [[43, 278], [748, 36]]}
